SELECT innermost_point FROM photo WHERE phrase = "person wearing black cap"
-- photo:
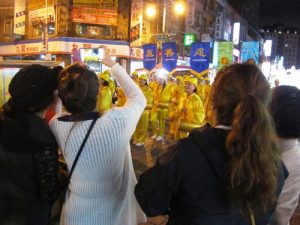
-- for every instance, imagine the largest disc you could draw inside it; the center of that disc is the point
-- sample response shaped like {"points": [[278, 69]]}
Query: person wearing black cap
{"points": [[28, 149]]}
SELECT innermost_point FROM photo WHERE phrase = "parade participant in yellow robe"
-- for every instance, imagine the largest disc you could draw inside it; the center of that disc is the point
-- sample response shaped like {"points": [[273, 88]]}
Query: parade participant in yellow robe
{"points": [[207, 88], [208, 110], [111, 82], [153, 81], [104, 102], [140, 133], [174, 112], [163, 106], [157, 91], [200, 90], [192, 110], [135, 77], [121, 98]]}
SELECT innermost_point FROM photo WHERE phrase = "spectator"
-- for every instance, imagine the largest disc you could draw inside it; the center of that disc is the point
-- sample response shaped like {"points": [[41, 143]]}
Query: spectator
{"points": [[101, 189], [29, 149], [285, 109], [227, 174]]}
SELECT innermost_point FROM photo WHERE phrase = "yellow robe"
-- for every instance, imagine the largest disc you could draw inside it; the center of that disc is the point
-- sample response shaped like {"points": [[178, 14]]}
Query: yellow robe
{"points": [[174, 110], [192, 114], [154, 111], [121, 97], [201, 92], [112, 87], [163, 107], [141, 130], [104, 99]]}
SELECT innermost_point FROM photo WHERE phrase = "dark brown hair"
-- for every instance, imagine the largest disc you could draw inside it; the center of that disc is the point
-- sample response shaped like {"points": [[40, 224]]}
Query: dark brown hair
{"points": [[78, 89], [285, 110], [240, 94]]}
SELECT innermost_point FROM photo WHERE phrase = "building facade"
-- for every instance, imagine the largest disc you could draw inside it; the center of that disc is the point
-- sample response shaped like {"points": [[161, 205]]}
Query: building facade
{"points": [[285, 43]]}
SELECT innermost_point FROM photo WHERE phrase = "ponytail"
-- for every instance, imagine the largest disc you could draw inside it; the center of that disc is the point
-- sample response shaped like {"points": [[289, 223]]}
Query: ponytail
{"points": [[254, 156]]}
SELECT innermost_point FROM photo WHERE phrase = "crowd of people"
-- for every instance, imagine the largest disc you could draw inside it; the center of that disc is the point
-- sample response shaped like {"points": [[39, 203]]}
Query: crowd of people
{"points": [[181, 101], [236, 157]]}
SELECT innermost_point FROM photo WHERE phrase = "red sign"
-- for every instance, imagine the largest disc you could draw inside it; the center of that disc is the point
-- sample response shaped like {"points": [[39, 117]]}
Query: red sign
{"points": [[94, 15]]}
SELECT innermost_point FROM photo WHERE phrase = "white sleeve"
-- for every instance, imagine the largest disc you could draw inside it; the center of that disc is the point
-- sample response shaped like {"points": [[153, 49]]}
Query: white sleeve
{"points": [[135, 99], [288, 199]]}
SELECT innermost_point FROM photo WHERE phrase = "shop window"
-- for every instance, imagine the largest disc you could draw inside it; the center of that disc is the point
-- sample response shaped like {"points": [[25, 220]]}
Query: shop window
{"points": [[92, 30], [8, 29]]}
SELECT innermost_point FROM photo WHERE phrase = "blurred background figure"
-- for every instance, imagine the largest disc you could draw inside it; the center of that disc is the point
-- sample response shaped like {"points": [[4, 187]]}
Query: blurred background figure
{"points": [[191, 109], [142, 126], [105, 95], [285, 110]]}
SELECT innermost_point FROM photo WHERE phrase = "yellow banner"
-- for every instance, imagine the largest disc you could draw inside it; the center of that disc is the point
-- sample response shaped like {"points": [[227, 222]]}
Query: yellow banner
{"points": [[37, 4], [105, 4]]}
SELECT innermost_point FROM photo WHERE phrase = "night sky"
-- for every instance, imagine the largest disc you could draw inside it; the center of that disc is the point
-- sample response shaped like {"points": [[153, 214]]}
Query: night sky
{"points": [[280, 7], [286, 12]]}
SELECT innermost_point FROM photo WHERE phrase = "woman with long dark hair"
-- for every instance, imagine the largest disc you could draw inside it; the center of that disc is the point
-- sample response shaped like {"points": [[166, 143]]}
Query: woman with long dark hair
{"points": [[227, 174]]}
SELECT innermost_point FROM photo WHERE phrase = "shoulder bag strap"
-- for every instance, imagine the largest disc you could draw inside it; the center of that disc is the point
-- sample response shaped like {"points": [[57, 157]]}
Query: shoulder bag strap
{"points": [[80, 149]]}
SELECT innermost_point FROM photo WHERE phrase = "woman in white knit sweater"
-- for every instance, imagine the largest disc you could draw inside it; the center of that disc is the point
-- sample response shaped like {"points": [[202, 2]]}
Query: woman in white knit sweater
{"points": [[101, 187], [285, 110]]}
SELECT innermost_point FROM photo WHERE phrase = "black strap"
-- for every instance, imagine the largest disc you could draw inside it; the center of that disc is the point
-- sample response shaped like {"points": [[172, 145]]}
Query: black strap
{"points": [[80, 150]]}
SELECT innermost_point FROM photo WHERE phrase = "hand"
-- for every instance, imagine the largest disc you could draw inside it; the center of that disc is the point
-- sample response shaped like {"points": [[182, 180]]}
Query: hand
{"points": [[107, 60]]}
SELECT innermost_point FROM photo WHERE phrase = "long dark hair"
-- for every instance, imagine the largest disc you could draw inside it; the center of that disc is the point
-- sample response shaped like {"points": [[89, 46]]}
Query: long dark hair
{"points": [[78, 89], [240, 94]]}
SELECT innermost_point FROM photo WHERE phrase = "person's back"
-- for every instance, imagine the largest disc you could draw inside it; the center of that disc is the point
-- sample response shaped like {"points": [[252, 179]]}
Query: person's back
{"points": [[29, 148], [285, 108], [101, 187], [224, 174]]}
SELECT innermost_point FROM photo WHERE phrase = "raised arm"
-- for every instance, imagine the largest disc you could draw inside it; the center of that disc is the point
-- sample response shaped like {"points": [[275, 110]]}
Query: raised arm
{"points": [[135, 98]]}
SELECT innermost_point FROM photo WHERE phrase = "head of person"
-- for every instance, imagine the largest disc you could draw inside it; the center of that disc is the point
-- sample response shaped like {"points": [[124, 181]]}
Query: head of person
{"points": [[143, 80], [78, 89], [178, 79], [154, 77], [239, 98], [135, 75], [104, 79], [32, 89], [191, 85], [276, 82], [285, 110]]}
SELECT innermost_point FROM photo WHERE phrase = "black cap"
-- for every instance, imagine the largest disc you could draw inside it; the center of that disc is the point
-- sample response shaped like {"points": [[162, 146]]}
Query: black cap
{"points": [[31, 86]]}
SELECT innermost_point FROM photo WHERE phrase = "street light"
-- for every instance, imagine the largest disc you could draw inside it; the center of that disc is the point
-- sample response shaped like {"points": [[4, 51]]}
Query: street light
{"points": [[151, 11], [178, 7]]}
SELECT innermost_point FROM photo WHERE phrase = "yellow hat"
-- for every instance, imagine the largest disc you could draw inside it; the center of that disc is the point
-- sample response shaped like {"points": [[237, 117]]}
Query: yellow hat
{"points": [[192, 80], [143, 77], [104, 76], [106, 71], [178, 77], [134, 73]]}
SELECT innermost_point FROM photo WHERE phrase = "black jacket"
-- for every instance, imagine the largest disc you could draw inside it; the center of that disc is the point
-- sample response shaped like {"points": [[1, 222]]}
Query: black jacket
{"points": [[188, 183], [28, 171]]}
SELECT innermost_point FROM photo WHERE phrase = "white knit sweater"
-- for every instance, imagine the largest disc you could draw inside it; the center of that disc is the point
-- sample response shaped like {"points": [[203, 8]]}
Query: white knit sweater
{"points": [[101, 190], [288, 199]]}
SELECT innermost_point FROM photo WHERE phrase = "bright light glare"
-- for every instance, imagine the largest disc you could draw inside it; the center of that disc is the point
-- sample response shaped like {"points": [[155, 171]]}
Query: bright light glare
{"points": [[179, 8], [151, 11], [162, 73]]}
